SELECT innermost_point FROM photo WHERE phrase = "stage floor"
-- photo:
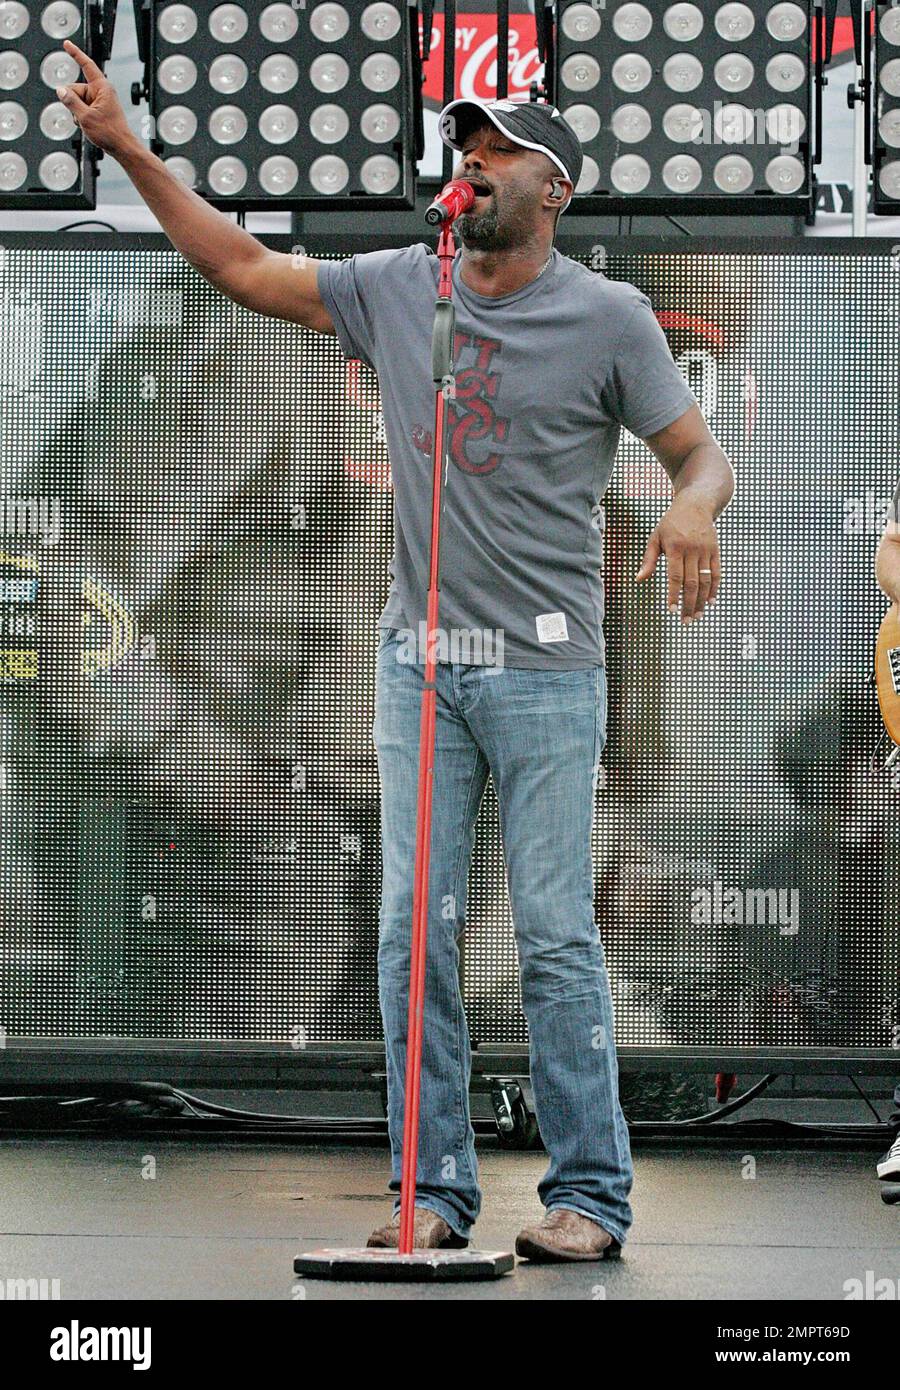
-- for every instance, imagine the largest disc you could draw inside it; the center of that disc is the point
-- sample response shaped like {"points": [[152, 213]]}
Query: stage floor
{"points": [[224, 1220]]}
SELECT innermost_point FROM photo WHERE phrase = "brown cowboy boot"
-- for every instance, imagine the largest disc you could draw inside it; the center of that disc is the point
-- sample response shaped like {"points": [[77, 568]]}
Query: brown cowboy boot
{"points": [[430, 1232], [566, 1235]]}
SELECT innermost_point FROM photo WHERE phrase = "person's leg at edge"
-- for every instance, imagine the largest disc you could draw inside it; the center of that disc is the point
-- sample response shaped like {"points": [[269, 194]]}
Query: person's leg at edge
{"points": [[543, 733], [446, 1179]]}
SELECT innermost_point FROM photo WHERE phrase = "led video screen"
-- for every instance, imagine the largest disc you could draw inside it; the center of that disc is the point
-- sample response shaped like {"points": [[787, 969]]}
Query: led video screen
{"points": [[196, 532]]}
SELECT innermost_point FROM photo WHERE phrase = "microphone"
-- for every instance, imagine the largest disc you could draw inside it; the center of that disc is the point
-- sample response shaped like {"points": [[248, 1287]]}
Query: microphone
{"points": [[455, 198]]}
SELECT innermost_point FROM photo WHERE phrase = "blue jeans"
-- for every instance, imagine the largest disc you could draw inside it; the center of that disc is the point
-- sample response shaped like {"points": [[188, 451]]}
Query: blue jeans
{"points": [[540, 733]]}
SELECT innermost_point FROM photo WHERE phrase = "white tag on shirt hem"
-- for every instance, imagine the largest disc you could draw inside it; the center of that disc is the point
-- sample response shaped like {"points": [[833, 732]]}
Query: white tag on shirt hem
{"points": [[551, 627]]}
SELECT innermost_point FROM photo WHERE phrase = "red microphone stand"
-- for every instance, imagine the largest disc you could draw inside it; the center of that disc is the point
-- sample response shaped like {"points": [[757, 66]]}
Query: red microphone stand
{"points": [[405, 1262], [445, 391]]}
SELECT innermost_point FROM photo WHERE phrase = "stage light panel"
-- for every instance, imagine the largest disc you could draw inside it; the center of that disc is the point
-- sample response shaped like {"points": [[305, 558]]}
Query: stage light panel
{"points": [[45, 162], [886, 102], [256, 105], [706, 106]]}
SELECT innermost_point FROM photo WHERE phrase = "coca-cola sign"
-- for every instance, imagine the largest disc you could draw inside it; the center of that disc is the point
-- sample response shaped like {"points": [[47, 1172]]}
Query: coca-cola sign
{"points": [[476, 57]]}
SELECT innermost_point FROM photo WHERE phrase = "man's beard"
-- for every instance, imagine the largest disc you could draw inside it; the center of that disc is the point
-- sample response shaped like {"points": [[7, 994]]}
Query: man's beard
{"points": [[483, 233]]}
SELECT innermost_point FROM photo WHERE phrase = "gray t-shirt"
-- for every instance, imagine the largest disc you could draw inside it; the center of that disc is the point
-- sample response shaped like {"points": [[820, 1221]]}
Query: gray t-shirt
{"points": [[545, 379]]}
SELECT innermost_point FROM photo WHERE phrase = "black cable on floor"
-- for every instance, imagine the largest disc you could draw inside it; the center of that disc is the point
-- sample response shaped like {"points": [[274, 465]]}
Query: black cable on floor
{"points": [[712, 1116], [151, 1105]]}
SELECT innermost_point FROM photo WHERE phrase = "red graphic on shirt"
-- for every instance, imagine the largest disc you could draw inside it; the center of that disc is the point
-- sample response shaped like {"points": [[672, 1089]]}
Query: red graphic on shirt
{"points": [[472, 418]]}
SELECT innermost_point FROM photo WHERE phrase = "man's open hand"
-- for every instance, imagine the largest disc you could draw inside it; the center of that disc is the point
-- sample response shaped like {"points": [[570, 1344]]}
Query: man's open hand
{"points": [[95, 106], [687, 537]]}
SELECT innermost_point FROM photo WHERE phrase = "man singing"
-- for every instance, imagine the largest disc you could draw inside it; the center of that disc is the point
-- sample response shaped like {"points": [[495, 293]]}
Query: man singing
{"points": [[551, 361]]}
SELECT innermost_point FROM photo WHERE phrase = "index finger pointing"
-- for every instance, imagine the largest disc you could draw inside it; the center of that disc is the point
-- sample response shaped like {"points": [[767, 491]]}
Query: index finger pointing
{"points": [[91, 71]]}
